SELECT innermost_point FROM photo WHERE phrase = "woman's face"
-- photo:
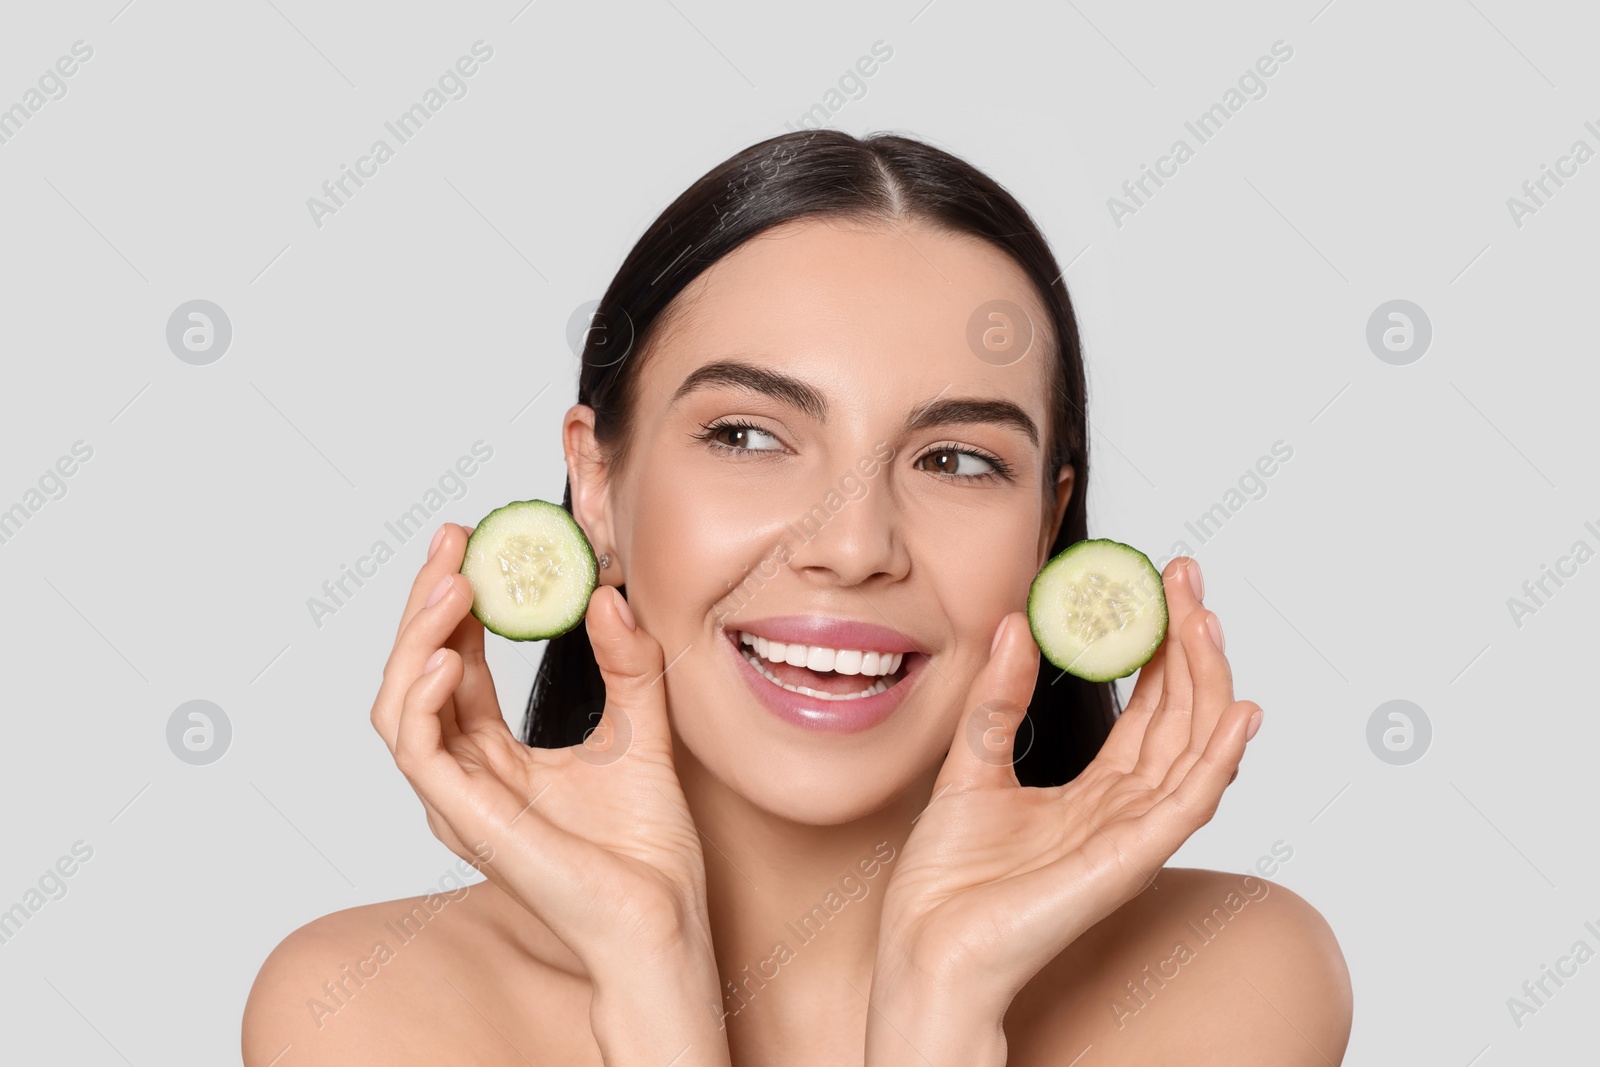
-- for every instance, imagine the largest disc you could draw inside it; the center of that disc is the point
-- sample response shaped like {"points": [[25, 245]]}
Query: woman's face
{"points": [[834, 482]]}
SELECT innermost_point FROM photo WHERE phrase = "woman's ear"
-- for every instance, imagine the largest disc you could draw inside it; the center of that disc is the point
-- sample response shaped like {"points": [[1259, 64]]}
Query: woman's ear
{"points": [[588, 476], [1065, 483]]}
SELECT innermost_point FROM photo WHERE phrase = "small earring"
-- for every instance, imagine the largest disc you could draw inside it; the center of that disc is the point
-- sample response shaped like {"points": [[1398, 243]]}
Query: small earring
{"points": [[605, 561]]}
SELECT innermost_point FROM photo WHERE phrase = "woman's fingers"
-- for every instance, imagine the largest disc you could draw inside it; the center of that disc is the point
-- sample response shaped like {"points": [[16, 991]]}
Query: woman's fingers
{"points": [[632, 665], [1147, 687], [1213, 688], [1180, 571], [993, 708], [1122, 747], [442, 611], [481, 808], [1168, 732], [477, 705], [1194, 800], [419, 731], [445, 553]]}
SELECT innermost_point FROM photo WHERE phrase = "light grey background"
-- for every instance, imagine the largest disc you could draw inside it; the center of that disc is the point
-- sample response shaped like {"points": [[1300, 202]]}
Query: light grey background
{"points": [[1229, 312]]}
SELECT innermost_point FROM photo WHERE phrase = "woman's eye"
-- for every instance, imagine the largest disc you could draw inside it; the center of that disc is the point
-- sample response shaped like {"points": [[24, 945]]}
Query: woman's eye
{"points": [[957, 462], [745, 438]]}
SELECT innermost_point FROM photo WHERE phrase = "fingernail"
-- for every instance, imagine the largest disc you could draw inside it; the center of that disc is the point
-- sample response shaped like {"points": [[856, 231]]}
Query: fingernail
{"points": [[438, 536], [623, 609], [998, 631], [435, 661], [1214, 625], [1255, 724], [438, 591], [1196, 579]]}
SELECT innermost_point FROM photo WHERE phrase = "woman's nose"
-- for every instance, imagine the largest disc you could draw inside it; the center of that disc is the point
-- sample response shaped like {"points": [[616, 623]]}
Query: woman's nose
{"points": [[851, 530]]}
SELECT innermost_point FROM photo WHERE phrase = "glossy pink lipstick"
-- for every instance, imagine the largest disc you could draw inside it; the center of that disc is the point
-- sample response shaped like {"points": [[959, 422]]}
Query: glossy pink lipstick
{"points": [[820, 713]]}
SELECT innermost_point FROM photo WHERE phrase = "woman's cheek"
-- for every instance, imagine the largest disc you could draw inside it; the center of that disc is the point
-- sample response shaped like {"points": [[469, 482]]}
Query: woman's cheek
{"points": [[701, 537], [733, 528], [966, 560]]}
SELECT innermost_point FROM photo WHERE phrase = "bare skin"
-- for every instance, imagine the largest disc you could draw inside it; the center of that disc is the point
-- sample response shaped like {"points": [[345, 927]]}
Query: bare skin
{"points": [[527, 998], [1003, 921]]}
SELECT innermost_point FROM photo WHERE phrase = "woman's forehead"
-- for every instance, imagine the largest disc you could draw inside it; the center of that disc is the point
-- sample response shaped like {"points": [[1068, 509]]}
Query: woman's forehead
{"points": [[861, 305]]}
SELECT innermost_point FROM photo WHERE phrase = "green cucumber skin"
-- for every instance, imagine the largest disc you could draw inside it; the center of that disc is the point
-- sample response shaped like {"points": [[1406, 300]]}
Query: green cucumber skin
{"points": [[579, 610], [1033, 592]]}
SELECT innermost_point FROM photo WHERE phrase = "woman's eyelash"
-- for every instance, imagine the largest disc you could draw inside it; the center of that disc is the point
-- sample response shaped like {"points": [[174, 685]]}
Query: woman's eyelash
{"points": [[1002, 469], [711, 429]]}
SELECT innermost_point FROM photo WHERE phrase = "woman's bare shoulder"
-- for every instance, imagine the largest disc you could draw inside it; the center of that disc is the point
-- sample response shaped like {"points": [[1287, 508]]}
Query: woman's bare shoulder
{"points": [[1215, 966], [433, 978]]}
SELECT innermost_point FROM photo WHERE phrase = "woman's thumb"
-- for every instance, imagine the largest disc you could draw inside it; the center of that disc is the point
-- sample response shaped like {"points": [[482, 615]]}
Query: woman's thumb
{"points": [[631, 664], [994, 711]]}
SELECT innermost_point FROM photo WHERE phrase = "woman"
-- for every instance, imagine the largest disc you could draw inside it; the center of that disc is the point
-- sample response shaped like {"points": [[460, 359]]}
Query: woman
{"points": [[805, 424]]}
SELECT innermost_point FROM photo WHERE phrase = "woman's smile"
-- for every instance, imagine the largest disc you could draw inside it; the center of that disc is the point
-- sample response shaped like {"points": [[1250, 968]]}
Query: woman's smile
{"points": [[830, 675]]}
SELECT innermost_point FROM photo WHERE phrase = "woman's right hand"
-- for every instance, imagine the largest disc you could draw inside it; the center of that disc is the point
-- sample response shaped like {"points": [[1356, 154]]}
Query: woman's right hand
{"points": [[595, 839]]}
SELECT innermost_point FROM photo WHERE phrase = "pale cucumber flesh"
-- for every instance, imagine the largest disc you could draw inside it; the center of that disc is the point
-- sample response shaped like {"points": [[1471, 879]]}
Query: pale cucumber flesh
{"points": [[532, 571], [1098, 610]]}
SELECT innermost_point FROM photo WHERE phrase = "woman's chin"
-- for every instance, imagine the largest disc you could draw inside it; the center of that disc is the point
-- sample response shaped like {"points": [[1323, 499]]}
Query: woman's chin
{"points": [[812, 790]]}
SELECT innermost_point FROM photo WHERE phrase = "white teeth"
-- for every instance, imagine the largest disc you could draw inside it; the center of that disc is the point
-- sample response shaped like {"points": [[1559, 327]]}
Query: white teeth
{"points": [[872, 690], [819, 658]]}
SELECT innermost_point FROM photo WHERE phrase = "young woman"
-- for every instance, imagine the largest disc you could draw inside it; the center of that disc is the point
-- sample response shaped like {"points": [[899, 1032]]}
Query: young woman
{"points": [[794, 432]]}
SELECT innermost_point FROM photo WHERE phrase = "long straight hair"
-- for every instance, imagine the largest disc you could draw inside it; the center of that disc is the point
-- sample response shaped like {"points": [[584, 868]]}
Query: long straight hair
{"points": [[817, 173]]}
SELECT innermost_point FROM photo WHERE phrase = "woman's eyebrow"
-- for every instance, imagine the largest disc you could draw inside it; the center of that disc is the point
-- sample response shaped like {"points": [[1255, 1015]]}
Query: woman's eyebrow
{"points": [[958, 410], [796, 393], [784, 387]]}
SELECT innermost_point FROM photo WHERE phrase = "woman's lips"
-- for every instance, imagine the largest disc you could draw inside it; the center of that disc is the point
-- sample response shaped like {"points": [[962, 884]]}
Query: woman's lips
{"points": [[830, 632], [837, 681], [820, 712]]}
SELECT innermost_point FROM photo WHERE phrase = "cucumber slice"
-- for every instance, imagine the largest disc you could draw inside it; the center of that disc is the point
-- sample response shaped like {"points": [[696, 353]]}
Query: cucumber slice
{"points": [[1098, 610], [532, 571]]}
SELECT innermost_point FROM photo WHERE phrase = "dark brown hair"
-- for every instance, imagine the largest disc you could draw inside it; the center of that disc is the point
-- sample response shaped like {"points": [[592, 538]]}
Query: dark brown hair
{"points": [[811, 173]]}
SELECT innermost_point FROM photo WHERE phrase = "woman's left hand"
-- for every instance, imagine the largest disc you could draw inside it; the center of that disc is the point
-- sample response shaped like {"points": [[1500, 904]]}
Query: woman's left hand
{"points": [[997, 879]]}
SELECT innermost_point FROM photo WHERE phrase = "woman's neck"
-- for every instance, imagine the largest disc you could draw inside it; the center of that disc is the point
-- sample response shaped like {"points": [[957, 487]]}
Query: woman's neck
{"points": [[794, 908]]}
